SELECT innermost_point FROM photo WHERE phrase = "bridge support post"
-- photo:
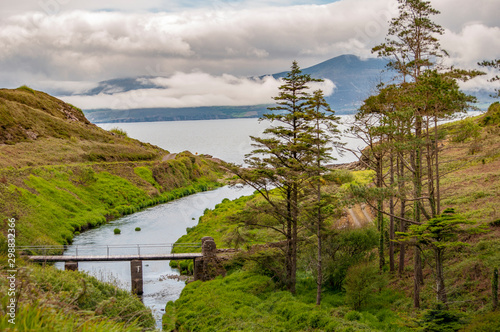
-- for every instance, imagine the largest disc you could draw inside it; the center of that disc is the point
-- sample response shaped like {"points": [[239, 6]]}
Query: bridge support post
{"points": [[136, 277], [71, 266], [208, 266]]}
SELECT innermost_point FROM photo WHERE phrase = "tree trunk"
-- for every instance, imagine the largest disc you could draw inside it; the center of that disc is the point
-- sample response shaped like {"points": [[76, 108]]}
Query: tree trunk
{"points": [[380, 215], [436, 148], [416, 281], [402, 223], [320, 262], [391, 222], [440, 288], [294, 238], [289, 242], [430, 171], [418, 193]]}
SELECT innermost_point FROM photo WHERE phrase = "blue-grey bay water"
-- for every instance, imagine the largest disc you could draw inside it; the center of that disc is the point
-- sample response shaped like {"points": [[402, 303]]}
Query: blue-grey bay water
{"points": [[227, 139]]}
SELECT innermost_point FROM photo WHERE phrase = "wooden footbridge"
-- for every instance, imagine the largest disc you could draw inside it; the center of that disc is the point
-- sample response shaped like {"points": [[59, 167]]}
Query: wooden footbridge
{"points": [[135, 253]]}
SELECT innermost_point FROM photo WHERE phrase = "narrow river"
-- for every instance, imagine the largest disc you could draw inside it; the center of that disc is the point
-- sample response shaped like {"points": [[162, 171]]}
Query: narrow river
{"points": [[160, 224]]}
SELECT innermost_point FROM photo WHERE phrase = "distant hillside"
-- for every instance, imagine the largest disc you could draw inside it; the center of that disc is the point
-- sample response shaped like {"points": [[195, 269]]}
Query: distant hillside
{"points": [[355, 79], [38, 129]]}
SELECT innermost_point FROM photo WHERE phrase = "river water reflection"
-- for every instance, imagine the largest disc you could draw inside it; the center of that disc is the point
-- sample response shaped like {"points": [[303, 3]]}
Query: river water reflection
{"points": [[160, 224]]}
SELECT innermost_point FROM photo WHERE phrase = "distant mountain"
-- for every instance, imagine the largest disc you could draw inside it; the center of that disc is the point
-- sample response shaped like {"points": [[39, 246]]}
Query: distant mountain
{"points": [[354, 78]]}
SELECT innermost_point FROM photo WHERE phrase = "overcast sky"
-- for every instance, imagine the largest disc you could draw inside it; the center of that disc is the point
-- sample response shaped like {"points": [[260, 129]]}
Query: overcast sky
{"points": [[72, 44]]}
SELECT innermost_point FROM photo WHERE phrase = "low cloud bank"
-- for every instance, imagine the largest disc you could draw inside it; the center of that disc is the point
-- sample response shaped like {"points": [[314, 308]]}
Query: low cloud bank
{"points": [[192, 90]]}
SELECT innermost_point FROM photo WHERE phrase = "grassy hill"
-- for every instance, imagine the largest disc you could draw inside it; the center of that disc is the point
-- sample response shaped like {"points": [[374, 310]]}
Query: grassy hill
{"points": [[37, 129], [60, 174]]}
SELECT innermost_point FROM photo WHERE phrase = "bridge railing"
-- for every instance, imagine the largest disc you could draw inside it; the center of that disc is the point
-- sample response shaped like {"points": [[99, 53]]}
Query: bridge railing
{"points": [[105, 250]]}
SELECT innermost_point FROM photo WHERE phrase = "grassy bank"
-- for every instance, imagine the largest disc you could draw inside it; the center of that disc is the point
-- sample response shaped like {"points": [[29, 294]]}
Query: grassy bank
{"points": [[52, 203], [52, 300]]}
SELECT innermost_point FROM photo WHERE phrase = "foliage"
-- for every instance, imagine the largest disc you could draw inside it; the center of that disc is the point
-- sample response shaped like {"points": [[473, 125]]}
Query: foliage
{"points": [[494, 64], [439, 319], [55, 300], [468, 129], [119, 131], [52, 203], [361, 282], [484, 323], [492, 116], [247, 301], [345, 249], [117, 231]]}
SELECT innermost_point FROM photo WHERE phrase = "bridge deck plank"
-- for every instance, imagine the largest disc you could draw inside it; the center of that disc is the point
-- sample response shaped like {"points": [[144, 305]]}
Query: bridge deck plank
{"points": [[96, 258]]}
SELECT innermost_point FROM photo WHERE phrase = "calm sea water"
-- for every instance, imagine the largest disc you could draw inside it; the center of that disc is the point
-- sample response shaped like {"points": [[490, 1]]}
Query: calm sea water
{"points": [[227, 139]]}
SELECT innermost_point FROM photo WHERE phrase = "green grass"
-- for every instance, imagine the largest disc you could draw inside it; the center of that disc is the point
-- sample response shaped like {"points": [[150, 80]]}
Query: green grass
{"points": [[52, 203], [54, 300], [247, 301]]}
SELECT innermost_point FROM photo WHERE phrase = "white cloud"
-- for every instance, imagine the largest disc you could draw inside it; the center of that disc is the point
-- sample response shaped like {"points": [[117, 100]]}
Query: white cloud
{"points": [[474, 43], [193, 90], [79, 41], [103, 45]]}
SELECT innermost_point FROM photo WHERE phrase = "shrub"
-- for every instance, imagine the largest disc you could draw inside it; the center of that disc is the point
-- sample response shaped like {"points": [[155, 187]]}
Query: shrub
{"points": [[467, 129], [492, 117], [345, 249], [360, 283], [117, 231], [439, 319], [137, 229], [352, 315], [484, 323], [119, 131]]}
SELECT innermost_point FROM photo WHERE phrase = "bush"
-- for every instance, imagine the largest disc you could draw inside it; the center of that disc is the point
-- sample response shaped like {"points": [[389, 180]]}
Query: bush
{"points": [[361, 282], [439, 319], [492, 117], [467, 129], [345, 249], [117, 231], [352, 315], [484, 323], [137, 229], [119, 131]]}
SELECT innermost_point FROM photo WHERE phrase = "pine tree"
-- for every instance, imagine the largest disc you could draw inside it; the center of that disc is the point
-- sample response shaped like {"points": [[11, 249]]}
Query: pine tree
{"points": [[279, 161]]}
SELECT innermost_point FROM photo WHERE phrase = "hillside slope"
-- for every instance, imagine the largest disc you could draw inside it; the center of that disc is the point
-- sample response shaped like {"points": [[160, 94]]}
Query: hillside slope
{"points": [[38, 129], [60, 174]]}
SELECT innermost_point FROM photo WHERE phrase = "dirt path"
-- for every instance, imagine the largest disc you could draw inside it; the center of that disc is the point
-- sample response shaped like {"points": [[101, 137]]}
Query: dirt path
{"points": [[169, 156], [359, 216]]}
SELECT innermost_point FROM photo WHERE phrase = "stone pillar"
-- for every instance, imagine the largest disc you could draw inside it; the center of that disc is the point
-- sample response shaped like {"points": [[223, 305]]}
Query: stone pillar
{"points": [[208, 247], [198, 269], [71, 266], [136, 277]]}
